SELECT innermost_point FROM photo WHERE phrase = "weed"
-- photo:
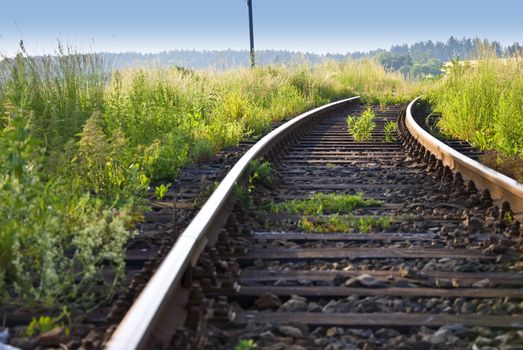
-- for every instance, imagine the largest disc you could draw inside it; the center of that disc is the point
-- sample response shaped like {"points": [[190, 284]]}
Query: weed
{"points": [[260, 173], [361, 128], [205, 191], [324, 203], [161, 190], [343, 223], [257, 173], [244, 196], [245, 344], [44, 324], [391, 130]]}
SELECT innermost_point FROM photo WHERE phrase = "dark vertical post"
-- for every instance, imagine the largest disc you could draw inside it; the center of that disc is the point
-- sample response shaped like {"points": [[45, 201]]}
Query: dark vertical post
{"points": [[249, 3]]}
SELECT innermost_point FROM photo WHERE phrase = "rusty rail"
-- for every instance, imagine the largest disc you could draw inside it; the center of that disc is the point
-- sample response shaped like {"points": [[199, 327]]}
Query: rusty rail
{"points": [[160, 308], [501, 187]]}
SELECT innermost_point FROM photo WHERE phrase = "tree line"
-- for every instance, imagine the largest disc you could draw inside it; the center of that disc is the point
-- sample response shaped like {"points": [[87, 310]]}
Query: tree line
{"points": [[421, 59]]}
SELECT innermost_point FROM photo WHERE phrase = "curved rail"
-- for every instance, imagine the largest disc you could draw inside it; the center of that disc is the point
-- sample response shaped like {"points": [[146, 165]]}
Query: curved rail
{"points": [[501, 187], [161, 305]]}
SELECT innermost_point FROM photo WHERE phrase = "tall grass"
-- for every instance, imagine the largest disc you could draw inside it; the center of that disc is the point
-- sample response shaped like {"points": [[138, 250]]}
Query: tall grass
{"points": [[189, 115], [482, 102], [79, 148], [69, 186]]}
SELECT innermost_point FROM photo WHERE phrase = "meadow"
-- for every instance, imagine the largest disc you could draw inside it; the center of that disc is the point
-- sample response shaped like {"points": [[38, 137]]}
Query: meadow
{"points": [[81, 147]]}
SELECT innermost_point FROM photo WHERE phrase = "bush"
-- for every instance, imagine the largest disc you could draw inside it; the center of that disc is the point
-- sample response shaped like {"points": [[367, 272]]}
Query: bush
{"points": [[361, 128], [54, 237]]}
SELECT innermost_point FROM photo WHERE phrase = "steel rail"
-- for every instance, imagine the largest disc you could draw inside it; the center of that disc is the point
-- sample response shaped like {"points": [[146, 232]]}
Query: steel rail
{"points": [[502, 188], [161, 305]]}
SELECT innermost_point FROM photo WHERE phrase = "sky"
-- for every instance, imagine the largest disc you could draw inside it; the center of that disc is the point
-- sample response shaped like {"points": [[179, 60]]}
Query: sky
{"points": [[335, 26]]}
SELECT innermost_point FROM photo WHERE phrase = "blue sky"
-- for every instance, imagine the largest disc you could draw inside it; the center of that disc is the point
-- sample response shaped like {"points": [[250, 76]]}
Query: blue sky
{"points": [[299, 25]]}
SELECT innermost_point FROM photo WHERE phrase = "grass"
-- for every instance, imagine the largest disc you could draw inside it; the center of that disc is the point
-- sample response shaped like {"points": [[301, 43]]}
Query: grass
{"points": [[361, 127], [245, 344], [332, 203], [80, 148], [324, 203], [482, 103], [391, 130], [344, 223]]}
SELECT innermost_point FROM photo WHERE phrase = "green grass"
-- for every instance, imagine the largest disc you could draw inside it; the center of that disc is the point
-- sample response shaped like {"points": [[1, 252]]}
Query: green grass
{"points": [[324, 203], [391, 131], [361, 127], [344, 223], [245, 344], [330, 203], [482, 102]]}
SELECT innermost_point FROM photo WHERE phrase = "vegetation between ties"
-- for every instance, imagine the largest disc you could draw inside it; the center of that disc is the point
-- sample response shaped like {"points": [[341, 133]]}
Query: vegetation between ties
{"points": [[245, 344], [324, 203], [391, 131], [361, 127], [331, 203], [344, 223]]}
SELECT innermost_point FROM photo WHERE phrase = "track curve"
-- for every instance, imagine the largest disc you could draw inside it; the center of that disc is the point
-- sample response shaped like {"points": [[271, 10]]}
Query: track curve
{"points": [[443, 254]]}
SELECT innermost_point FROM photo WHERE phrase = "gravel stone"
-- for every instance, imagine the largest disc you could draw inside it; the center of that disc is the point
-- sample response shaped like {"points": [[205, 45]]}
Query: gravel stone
{"points": [[267, 336], [442, 336], [267, 301], [443, 283], [290, 331], [295, 303], [484, 283], [365, 280]]}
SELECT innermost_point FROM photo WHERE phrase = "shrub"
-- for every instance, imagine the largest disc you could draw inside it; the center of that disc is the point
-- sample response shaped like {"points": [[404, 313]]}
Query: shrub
{"points": [[361, 128], [54, 236], [391, 129]]}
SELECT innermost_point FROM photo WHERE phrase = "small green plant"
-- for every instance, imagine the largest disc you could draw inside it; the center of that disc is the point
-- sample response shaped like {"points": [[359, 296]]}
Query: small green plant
{"points": [[391, 129], [259, 173], [361, 128], [44, 324], [161, 191], [245, 344], [365, 224], [333, 223], [243, 195], [509, 218], [324, 203], [344, 223]]}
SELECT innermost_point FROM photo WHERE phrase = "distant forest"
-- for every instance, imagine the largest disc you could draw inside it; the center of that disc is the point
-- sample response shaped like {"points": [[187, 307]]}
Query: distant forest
{"points": [[423, 58]]}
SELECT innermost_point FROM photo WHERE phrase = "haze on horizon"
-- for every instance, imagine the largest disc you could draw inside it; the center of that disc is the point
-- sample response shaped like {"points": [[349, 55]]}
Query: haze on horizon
{"points": [[330, 26]]}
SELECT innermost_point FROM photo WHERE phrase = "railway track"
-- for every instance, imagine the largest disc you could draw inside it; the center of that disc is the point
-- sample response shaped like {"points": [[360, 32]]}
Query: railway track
{"points": [[430, 262]]}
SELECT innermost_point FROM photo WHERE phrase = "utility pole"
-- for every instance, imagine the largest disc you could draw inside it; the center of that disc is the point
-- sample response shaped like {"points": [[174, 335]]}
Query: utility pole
{"points": [[249, 3]]}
